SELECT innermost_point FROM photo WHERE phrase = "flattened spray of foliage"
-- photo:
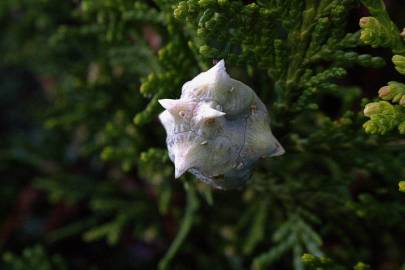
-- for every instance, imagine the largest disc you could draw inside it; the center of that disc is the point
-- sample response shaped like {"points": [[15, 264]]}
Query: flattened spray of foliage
{"points": [[80, 84]]}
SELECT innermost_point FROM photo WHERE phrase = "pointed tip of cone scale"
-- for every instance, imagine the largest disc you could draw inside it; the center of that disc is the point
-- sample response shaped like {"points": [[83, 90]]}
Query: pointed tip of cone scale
{"points": [[220, 64], [206, 112], [180, 167], [278, 151], [167, 103]]}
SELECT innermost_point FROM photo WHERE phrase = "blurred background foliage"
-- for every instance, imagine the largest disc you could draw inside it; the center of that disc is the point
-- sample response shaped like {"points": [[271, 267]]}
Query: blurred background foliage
{"points": [[86, 182]]}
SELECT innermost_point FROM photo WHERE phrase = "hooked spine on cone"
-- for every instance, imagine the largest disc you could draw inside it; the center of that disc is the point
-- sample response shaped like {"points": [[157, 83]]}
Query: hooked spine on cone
{"points": [[217, 129]]}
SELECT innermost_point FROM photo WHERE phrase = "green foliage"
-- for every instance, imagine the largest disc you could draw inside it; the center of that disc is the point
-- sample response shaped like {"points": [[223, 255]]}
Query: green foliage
{"points": [[94, 148], [34, 258], [323, 263], [302, 40], [380, 31], [294, 234]]}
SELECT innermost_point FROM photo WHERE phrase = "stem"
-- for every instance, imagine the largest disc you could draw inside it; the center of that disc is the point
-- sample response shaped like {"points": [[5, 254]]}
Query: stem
{"points": [[192, 206]]}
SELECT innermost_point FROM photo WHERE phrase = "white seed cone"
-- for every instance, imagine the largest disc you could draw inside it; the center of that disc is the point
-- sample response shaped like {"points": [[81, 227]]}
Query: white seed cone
{"points": [[217, 129]]}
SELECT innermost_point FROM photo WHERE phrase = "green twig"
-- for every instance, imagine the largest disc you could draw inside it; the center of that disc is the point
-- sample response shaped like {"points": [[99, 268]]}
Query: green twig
{"points": [[185, 227]]}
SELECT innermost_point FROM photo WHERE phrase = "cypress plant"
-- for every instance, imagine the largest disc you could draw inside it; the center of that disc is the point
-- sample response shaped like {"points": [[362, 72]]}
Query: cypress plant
{"points": [[87, 182]]}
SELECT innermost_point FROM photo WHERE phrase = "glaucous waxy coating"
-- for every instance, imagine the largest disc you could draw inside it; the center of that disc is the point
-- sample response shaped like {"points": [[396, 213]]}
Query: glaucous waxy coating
{"points": [[217, 129]]}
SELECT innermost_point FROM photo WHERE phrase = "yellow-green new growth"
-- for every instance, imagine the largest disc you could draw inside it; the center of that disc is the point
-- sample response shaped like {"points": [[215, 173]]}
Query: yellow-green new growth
{"points": [[384, 117], [394, 91], [374, 33], [380, 31], [399, 62], [401, 186]]}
